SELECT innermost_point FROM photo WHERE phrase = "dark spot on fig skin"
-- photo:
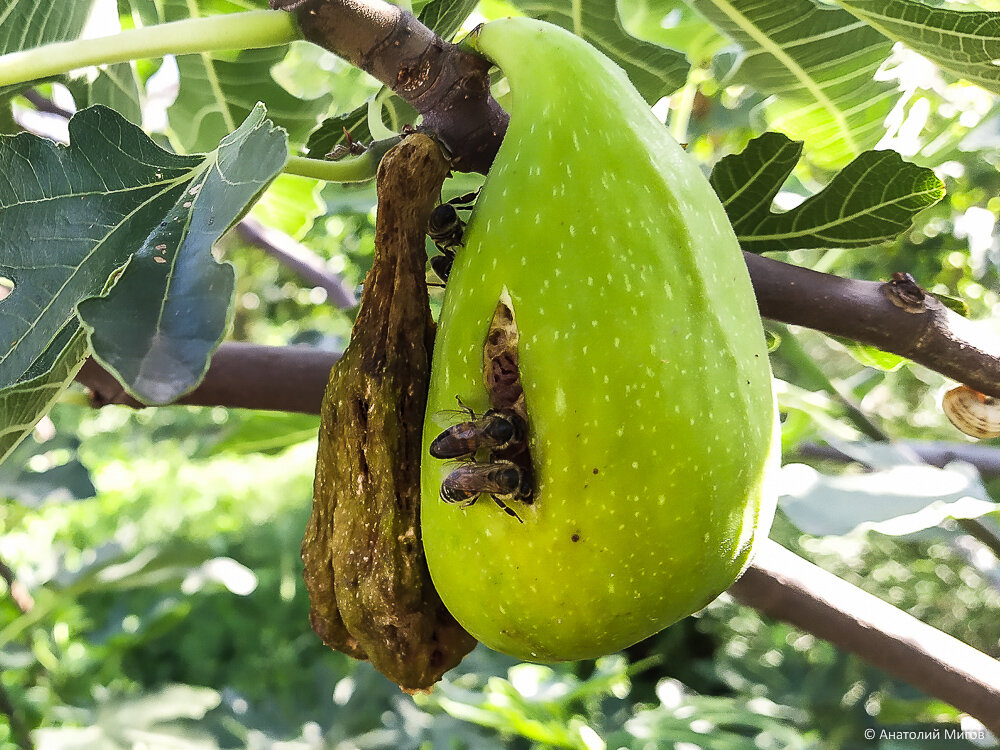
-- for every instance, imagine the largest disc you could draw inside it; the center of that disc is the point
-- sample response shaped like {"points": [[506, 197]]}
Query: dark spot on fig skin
{"points": [[575, 538], [595, 471]]}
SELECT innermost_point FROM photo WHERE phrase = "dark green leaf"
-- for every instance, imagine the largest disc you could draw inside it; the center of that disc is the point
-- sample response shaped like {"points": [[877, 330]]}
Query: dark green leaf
{"points": [[654, 70], [955, 304], [71, 217], [873, 199], [25, 24], [23, 404], [116, 86], [219, 90], [445, 17], [161, 350], [818, 64], [869, 356], [967, 43]]}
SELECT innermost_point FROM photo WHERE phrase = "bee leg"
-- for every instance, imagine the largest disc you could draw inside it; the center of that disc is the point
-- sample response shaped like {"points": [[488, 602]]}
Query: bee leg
{"points": [[467, 503], [505, 508], [465, 201], [467, 409], [441, 264]]}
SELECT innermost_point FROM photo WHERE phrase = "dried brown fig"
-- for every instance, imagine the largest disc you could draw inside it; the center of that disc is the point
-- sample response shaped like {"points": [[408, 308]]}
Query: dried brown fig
{"points": [[371, 596]]}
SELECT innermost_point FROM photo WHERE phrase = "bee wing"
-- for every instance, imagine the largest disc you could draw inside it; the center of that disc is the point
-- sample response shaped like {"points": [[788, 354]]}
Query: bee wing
{"points": [[449, 417]]}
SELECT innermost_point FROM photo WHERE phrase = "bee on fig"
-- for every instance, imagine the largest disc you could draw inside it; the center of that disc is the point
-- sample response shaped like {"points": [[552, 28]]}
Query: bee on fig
{"points": [[502, 481], [446, 229], [497, 429]]}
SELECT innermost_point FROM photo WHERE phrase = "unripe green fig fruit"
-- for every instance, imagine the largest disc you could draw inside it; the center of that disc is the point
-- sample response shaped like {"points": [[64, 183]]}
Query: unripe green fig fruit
{"points": [[651, 420]]}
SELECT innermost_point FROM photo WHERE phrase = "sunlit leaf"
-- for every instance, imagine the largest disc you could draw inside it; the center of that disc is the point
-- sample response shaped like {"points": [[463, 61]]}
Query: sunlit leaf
{"points": [[871, 200], [445, 17], [817, 63], [967, 43]]}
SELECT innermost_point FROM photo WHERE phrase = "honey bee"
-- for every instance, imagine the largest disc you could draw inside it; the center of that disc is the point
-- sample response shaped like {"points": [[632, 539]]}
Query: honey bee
{"points": [[502, 481], [446, 229], [497, 429]]}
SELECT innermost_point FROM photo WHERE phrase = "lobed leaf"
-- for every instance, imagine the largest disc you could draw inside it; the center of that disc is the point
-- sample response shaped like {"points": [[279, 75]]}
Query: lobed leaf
{"points": [[654, 70], [160, 351], [27, 401], [817, 63], [114, 207], [873, 199], [966, 43]]}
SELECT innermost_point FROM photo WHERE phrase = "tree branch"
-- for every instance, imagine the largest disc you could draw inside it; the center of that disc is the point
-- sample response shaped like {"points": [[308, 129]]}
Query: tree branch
{"points": [[894, 316], [244, 376], [783, 585], [985, 458], [447, 85], [299, 259]]}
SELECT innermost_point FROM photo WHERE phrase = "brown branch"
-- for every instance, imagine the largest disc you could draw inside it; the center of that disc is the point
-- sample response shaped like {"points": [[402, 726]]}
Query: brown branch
{"points": [[899, 319], [447, 85], [783, 585], [245, 376], [985, 458], [18, 591], [299, 259]]}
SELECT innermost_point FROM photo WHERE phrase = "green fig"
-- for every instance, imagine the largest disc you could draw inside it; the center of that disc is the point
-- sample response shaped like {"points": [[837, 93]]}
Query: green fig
{"points": [[647, 393]]}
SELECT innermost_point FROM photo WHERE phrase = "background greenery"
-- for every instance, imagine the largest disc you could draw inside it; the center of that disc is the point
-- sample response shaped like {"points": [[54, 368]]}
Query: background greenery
{"points": [[161, 546]]}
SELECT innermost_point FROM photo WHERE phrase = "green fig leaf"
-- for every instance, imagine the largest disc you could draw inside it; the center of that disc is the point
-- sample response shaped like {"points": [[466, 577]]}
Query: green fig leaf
{"points": [[219, 90], [115, 86], [26, 24], [966, 43], [74, 216], [817, 63], [445, 17], [955, 304], [161, 351], [873, 199], [871, 356], [22, 405]]}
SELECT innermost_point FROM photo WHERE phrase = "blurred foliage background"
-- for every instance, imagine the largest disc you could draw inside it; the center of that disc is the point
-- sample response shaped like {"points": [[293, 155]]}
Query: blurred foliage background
{"points": [[160, 547]]}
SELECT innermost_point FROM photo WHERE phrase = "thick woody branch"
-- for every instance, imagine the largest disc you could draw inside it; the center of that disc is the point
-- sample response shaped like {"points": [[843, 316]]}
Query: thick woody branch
{"points": [[446, 84], [895, 316], [783, 585], [299, 259], [247, 376]]}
